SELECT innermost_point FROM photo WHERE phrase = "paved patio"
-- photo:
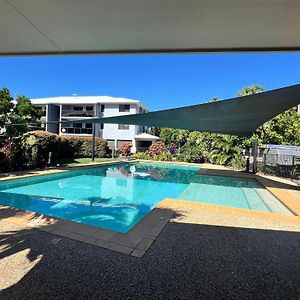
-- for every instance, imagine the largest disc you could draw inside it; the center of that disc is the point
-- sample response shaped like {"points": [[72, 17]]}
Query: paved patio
{"points": [[186, 261]]}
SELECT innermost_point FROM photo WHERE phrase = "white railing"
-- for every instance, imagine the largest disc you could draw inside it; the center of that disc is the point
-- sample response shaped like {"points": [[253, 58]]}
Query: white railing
{"points": [[77, 113], [74, 130]]}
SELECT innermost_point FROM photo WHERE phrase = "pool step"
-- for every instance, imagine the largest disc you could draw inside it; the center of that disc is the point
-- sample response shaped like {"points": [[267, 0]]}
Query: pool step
{"points": [[272, 202], [254, 202]]}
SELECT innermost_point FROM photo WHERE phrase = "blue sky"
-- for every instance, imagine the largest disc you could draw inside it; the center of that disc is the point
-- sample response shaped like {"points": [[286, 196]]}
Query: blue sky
{"points": [[160, 81]]}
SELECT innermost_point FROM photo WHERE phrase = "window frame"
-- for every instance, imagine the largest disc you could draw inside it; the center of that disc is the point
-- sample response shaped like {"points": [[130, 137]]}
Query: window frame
{"points": [[124, 107], [125, 126]]}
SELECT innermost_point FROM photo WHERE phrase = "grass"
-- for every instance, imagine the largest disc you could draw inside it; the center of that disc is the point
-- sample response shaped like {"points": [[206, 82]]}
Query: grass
{"points": [[73, 162]]}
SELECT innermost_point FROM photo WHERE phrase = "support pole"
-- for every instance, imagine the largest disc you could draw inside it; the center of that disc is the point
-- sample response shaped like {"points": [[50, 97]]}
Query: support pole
{"points": [[254, 154], [93, 143]]}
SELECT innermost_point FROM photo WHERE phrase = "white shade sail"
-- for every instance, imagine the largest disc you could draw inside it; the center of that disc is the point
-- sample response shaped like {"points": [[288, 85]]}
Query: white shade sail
{"points": [[142, 26]]}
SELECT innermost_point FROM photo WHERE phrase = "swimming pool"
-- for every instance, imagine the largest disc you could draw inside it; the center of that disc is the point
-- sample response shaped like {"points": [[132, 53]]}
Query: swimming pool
{"points": [[118, 196]]}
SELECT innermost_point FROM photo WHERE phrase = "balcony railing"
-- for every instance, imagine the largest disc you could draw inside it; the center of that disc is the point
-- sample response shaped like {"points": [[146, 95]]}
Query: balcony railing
{"points": [[77, 113], [74, 130]]}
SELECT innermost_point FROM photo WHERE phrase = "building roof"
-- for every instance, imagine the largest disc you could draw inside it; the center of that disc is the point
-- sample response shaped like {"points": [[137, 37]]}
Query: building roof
{"points": [[143, 26], [146, 137], [85, 100], [283, 149]]}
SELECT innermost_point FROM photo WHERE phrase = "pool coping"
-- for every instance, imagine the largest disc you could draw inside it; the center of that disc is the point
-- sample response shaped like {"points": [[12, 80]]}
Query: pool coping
{"points": [[139, 239], [135, 242]]}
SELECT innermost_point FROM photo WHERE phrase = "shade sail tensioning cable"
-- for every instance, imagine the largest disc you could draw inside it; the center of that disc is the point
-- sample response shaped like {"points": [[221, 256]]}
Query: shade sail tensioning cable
{"points": [[237, 116]]}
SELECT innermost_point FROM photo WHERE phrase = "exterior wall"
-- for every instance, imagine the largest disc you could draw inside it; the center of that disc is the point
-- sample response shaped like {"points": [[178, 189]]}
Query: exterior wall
{"points": [[111, 131], [52, 115]]}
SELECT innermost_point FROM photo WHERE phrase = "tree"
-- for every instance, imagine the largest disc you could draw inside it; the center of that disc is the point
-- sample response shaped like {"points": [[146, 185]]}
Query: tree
{"points": [[250, 90], [16, 118], [155, 131], [174, 136], [283, 129], [6, 106], [26, 110]]}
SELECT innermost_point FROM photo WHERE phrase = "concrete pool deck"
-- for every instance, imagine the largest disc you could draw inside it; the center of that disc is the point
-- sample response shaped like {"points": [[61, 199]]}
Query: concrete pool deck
{"points": [[139, 239], [186, 261]]}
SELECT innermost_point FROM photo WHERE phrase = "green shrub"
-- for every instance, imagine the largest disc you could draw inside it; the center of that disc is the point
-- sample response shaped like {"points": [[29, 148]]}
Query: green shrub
{"points": [[226, 151], [163, 156], [191, 153], [12, 155], [33, 148], [76, 147], [36, 146], [142, 155]]}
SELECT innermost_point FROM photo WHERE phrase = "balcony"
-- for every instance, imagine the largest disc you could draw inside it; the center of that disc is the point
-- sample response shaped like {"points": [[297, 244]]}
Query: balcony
{"points": [[78, 113], [74, 130]]}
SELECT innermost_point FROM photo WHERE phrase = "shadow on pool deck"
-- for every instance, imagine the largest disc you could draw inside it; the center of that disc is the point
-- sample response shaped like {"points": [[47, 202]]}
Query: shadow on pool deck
{"points": [[186, 261]]}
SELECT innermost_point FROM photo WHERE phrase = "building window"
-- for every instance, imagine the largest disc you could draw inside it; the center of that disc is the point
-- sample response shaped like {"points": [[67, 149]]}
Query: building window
{"points": [[78, 108], [123, 127], [89, 125], [101, 126], [77, 125], [89, 108], [102, 107], [124, 108]]}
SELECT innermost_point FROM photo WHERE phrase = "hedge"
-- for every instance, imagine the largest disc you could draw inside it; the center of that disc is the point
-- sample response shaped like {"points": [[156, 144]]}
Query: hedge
{"points": [[82, 147], [32, 149], [36, 146]]}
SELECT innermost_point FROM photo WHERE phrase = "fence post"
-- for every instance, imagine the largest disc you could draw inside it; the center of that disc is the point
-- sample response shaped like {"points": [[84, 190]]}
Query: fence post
{"points": [[265, 162], [254, 153], [293, 168]]}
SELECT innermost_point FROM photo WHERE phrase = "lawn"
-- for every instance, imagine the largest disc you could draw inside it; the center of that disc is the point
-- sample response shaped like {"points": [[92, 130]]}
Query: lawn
{"points": [[73, 162]]}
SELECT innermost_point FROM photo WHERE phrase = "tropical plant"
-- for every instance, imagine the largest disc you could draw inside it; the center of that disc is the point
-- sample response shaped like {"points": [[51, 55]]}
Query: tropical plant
{"points": [[174, 136], [227, 151], [191, 153]]}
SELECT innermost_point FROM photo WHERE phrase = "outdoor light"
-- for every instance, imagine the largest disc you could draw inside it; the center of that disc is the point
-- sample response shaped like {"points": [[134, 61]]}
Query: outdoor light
{"points": [[63, 130]]}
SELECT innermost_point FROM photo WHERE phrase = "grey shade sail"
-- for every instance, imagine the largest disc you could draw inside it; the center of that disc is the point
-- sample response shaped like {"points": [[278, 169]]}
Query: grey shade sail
{"points": [[237, 116], [46, 27]]}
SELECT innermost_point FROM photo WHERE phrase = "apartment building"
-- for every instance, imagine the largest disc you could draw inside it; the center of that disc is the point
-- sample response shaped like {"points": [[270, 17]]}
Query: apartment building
{"points": [[64, 109]]}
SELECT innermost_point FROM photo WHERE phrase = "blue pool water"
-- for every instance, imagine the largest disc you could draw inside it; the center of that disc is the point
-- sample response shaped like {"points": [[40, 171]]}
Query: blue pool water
{"points": [[118, 196]]}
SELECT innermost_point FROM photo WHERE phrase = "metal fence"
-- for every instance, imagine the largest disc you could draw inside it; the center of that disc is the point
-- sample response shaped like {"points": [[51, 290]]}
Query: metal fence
{"points": [[287, 166]]}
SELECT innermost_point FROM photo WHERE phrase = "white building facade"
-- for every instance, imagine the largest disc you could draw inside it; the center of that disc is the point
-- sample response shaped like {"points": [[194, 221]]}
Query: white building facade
{"points": [[64, 109]]}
